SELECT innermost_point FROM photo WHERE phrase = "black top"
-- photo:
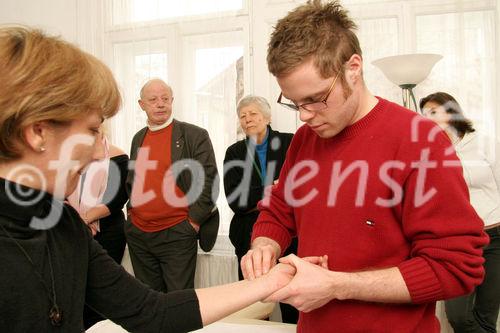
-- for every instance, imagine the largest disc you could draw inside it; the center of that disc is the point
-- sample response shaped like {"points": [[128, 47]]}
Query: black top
{"points": [[116, 194], [276, 152], [83, 272], [250, 192]]}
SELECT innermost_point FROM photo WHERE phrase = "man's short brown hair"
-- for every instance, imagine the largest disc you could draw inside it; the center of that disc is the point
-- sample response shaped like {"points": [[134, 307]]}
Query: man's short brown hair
{"points": [[322, 32]]}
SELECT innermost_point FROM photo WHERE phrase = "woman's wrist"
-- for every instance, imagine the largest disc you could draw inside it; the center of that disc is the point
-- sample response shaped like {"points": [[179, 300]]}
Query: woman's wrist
{"points": [[278, 277]]}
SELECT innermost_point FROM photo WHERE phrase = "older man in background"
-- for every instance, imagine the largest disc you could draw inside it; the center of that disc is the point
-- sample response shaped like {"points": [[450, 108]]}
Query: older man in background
{"points": [[171, 193]]}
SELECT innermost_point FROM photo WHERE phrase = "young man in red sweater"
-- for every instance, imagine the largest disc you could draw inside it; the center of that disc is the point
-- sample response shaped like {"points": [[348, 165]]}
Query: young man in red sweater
{"points": [[372, 186]]}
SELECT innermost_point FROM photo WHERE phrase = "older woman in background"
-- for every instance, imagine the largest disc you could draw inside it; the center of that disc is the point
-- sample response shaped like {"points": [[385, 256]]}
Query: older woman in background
{"points": [[250, 166], [477, 312], [53, 99]]}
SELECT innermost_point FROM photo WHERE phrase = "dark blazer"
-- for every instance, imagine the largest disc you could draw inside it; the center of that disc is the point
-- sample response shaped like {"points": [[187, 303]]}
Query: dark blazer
{"points": [[188, 142], [245, 213]]}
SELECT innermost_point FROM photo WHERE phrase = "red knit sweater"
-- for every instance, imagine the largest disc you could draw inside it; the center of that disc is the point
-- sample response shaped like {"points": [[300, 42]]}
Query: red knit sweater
{"points": [[157, 214], [429, 230]]}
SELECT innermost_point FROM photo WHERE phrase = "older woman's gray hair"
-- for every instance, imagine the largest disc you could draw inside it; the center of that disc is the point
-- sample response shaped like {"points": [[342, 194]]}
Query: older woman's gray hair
{"points": [[258, 101]]}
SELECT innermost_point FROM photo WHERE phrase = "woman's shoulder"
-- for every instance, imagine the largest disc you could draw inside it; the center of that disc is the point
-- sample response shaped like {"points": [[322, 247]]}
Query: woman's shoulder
{"points": [[237, 146], [115, 151], [284, 135], [481, 143]]}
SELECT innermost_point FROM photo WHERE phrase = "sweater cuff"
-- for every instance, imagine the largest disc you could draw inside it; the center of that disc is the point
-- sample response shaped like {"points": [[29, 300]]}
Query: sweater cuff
{"points": [[421, 281], [183, 311], [274, 231]]}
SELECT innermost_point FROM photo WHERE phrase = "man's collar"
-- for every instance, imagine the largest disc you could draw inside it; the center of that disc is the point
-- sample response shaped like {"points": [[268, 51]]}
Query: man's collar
{"points": [[154, 128]]}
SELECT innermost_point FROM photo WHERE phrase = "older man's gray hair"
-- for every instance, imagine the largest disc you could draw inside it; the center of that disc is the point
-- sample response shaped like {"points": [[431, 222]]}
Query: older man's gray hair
{"points": [[258, 101]]}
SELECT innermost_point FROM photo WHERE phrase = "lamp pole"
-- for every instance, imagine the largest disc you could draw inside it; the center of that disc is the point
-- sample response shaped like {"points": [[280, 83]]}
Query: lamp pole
{"points": [[409, 97]]}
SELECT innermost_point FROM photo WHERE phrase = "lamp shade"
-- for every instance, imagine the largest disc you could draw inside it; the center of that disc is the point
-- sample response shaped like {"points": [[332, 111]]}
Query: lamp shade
{"points": [[407, 68]]}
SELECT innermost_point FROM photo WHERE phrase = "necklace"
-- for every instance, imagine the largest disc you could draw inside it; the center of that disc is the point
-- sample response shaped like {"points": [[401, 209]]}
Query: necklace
{"points": [[55, 314]]}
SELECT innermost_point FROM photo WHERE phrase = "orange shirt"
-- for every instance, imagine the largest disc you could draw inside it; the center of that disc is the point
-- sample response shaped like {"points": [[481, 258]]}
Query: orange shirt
{"points": [[157, 202]]}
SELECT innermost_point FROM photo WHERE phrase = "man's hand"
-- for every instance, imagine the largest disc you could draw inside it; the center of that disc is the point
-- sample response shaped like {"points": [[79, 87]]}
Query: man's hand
{"points": [[311, 288], [267, 191], [261, 258], [195, 226], [279, 276], [319, 260]]}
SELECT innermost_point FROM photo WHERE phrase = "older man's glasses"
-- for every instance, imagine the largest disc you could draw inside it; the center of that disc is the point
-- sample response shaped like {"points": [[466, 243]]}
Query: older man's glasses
{"points": [[312, 106]]}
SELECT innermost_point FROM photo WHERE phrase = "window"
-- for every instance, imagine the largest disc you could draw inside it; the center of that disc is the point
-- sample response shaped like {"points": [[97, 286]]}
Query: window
{"points": [[462, 31], [213, 82], [467, 42], [134, 64], [132, 11], [379, 38]]}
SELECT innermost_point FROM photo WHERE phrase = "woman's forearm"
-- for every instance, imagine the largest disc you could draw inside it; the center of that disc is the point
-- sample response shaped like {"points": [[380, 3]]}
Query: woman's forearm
{"points": [[220, 301], [96, 213]]}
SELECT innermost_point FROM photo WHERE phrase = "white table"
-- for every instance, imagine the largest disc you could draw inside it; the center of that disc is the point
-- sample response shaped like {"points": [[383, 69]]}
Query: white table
{"points": [[242, 325], [229, 325]]}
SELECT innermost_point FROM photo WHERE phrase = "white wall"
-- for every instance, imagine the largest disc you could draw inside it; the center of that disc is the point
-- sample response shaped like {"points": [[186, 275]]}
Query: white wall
{"points": [[498, 80], [57, 17]]}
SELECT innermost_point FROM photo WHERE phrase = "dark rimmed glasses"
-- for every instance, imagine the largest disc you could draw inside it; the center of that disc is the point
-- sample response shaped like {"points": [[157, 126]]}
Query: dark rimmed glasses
{"points": [[311, 106]]}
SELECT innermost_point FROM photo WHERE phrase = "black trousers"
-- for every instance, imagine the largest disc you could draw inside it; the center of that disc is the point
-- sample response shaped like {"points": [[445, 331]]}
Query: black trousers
{"points": [[478, 312], [165, 260]]}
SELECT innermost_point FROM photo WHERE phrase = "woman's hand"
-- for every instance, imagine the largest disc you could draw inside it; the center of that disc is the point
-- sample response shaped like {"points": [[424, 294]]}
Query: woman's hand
{"points": [[279, 276], [312, 285], [94, 227], [92, 224]]}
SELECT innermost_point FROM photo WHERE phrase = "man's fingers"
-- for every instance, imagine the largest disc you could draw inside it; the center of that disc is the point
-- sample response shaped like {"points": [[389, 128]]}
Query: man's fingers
{"points": [[324, 263], [247, 266], [290, 269], [267, 261], [314, 260], [290, 259], [257, 262], [243, 266], [285, 260], [280, 295]]}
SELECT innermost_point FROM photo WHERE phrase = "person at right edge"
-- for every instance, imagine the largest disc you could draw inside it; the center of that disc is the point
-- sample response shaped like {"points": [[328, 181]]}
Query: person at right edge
{"points": [[365, 184], [478, 311], [260, 157]]}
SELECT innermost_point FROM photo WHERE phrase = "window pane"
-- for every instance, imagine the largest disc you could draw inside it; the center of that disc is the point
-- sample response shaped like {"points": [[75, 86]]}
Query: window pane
{"points": [[126, 11], [213, 83], [218, 85], [149, 66], [379, 38], [467, 43], [134, 64]]}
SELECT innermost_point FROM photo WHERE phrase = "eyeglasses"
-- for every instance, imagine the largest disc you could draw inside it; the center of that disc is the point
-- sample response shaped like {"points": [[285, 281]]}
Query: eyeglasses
{"points": [[312, 106]]}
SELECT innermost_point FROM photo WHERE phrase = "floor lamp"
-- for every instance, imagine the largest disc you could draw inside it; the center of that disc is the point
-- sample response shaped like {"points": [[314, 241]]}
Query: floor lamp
{"points": [[406, 71]]}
